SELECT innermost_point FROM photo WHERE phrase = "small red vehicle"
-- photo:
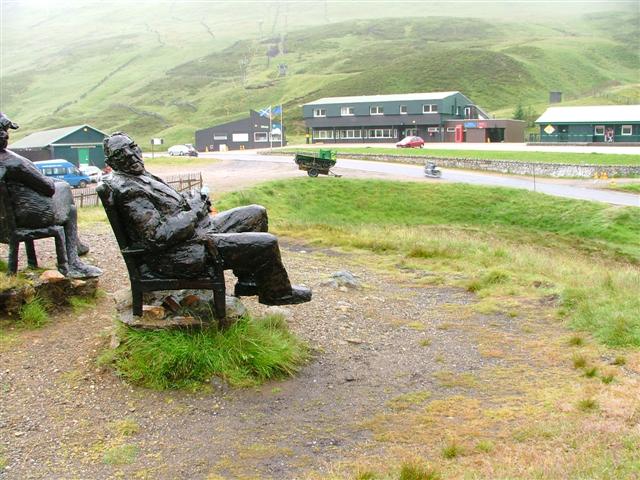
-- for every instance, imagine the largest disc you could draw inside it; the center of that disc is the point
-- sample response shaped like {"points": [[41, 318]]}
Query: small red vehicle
{"points": [[410, 142]]}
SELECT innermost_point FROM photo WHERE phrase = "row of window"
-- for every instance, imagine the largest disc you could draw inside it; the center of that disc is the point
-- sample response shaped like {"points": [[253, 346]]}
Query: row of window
{"points": [[348, 134], [625, 130], [379, 110], [244, 137]]}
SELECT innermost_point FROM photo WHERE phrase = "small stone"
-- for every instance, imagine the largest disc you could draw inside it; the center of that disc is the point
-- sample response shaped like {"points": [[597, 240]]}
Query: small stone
{"points": [[190, 300], [235, 308], [343, 289], [51, 276], [355, 341], [18, 434], [123, 299], [153, 312], [114, 341], [171, 303], [78, 283]]}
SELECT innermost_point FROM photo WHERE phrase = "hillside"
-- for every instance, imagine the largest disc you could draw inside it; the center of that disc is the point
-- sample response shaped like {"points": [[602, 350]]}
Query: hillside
{"points": [[170, 70]]}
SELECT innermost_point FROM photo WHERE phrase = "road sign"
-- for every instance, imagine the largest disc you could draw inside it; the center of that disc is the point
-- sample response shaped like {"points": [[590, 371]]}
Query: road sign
{"points": [[549, 129]]}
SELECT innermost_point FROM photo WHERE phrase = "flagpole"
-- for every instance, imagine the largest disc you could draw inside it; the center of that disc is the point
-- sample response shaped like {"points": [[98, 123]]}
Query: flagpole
{"points": [[270, 132], [281, 125]]}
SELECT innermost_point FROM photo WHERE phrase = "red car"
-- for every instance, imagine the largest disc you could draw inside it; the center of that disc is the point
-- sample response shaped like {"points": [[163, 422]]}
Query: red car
{"points": [[410, 142]]}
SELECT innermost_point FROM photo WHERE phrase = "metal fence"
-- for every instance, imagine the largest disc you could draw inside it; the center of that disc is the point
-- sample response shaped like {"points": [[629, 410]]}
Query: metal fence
{"points": [[88, 197]]}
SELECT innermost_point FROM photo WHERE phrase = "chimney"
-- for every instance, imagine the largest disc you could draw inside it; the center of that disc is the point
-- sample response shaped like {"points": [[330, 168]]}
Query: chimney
{"points": [[555, 97]]}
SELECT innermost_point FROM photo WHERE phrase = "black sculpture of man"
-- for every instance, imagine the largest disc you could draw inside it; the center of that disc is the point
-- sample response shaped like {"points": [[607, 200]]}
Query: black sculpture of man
{"points": [[39, 202], [178, 231]]}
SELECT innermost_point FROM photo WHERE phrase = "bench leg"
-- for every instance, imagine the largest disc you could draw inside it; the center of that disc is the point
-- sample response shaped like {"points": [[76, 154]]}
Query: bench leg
{"points": [[14, 250], [32, 260], [61, 252], [136, 297]]}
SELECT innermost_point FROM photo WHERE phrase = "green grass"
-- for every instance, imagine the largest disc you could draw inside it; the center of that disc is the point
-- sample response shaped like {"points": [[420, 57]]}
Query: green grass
{"points": [[625, 187], [80, 304], [33, 314], [516, 156], [120, 455], [248, 353], [496, 242], [417, 471], [183, 162]]}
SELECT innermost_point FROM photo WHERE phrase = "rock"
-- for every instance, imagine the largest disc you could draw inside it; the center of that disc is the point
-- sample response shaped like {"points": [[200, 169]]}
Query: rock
{"points": [[280, 311], [343, 280], [235, 308], [114, 342], [51, 276], [153, 312], [171, 303], [190, 300], [355, 341], [123, 299]]}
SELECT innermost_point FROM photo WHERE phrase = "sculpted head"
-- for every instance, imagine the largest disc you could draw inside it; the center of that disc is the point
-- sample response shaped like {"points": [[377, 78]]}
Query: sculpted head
{"points": [[5, 125], [123, 155]]}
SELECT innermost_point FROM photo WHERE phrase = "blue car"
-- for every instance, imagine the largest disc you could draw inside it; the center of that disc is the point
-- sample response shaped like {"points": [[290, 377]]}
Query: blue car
{"points": [[63, 170]]}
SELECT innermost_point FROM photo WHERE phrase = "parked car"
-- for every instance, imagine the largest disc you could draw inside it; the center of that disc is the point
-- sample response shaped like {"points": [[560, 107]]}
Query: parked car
{"points": [[94, 173], [183, 150], [410, 142], [63, 170]]}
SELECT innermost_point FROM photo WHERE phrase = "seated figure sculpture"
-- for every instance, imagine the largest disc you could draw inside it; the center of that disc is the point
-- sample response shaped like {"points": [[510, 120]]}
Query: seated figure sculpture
{"points": [[180, 235], [39, 202]]}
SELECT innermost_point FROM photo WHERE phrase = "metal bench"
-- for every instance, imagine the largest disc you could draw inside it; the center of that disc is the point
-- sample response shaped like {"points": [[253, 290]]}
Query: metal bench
{"points": [[11, 235], [133, 259]]}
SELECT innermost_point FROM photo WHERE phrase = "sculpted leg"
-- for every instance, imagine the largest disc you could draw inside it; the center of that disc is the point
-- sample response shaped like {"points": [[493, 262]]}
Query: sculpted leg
{"points": [[252, 218], [77, 269], [257, 254], [64, 211]]}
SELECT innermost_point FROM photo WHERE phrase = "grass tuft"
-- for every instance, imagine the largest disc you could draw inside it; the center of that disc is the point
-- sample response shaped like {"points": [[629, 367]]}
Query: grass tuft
{"points": [[588, 405], [579, 361], [485, 446], [576, 341], [607, 379], [247, 353], [620, 361], [417, 471], [120, 455], [33, 314], [79, 304], [451, 450], [591, 372]]}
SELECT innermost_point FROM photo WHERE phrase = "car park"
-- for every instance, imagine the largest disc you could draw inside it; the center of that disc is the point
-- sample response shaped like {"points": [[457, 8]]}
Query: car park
{"points": [[410, 142], [94, 173], [63, 170], [183, 150]]}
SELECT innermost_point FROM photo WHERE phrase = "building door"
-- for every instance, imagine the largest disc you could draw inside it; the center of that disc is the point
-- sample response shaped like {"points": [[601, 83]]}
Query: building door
{"points": [[83, 156], [459, 134], [563, 133]]}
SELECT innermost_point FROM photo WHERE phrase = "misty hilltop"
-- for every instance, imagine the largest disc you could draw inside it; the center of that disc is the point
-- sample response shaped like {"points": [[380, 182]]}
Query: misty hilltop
{"points": [[169, 69]]}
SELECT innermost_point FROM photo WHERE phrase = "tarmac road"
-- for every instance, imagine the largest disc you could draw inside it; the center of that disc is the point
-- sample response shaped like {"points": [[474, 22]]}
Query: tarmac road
{"points": [[543, 185]]}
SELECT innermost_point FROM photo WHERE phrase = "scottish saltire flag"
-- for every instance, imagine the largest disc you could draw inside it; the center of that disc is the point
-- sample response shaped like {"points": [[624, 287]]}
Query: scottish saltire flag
{"points": [[277, 110], [265, 112]]}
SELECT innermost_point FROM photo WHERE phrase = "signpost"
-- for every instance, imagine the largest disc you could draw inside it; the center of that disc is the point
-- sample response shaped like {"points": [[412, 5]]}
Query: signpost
{"points": [[154, 142]]}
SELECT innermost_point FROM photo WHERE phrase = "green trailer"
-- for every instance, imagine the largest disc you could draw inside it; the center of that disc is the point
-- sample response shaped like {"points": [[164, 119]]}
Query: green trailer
{"points": [[317, 163]]}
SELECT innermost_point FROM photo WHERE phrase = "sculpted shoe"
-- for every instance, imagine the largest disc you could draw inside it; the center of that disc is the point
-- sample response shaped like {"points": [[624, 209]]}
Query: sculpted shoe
{"points": [[82, 270], [245, 289], [82, 249], [297, 295]]}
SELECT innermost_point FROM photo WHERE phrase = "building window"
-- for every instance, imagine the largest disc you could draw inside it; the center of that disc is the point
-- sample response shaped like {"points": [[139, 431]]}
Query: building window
{"points": [[220, 136], [467, 112], [381, 133], [411, 132], [377, 110], [430, 108], [626, 130], [458, 111], [451, 129], [433, 129], [320, 112], [240, 137], [350, 134], [347, 111], [323, 134], [260, 137], [403, 110], [598, 130]]}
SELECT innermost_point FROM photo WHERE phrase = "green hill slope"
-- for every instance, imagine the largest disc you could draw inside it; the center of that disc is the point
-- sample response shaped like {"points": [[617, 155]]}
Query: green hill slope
{"points": [[169, 70]]}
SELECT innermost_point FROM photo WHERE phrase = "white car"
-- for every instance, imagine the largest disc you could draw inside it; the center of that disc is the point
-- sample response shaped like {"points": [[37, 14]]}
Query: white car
{"points": [[94, 173], [183, 150]]}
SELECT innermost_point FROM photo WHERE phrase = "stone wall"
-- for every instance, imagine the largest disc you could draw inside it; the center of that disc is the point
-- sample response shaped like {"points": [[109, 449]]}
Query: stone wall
{"points": [[508, 166]]}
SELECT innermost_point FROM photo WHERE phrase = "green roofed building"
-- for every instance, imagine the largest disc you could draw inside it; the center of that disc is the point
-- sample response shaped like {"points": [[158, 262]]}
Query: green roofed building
{"points": [[79, 144], [594, 124]]}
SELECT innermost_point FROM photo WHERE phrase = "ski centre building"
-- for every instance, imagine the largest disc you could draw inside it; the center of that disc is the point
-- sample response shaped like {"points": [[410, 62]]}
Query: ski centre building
{"points": [[435, 116], [609, 124]]}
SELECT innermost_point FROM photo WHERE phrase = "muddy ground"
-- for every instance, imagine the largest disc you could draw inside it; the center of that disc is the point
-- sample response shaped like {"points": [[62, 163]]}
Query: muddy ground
{"points": [[401, 369]]}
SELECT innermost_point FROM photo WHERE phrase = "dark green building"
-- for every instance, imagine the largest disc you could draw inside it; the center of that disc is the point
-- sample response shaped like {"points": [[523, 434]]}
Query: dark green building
{"points": [[613, 124], [80, 144]]}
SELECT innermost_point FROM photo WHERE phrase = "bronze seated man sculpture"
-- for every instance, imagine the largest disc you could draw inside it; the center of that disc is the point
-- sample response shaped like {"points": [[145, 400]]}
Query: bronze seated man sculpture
{"points": [[39, 201], [180, 236]]}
